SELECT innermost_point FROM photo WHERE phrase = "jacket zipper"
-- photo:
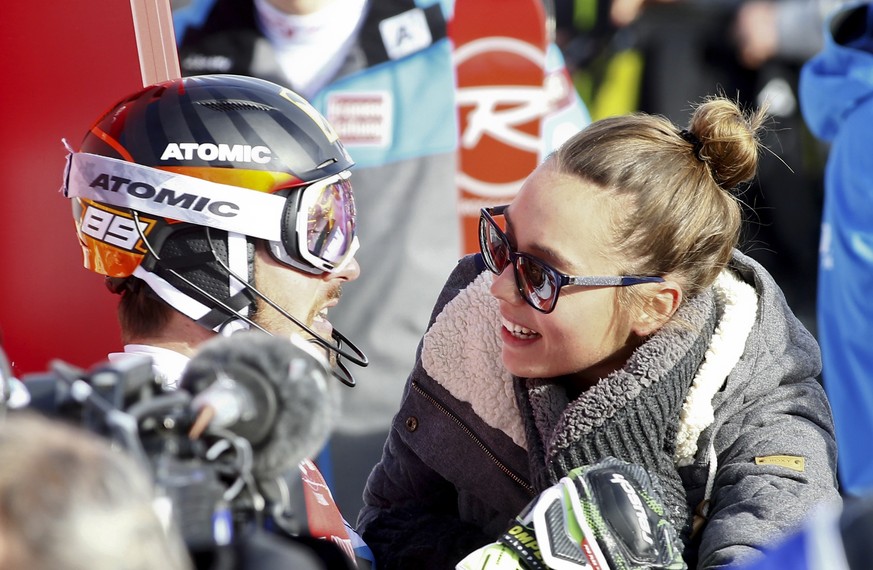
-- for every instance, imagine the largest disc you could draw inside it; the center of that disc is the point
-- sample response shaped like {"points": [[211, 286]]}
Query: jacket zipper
{"points": [[466, 429]]}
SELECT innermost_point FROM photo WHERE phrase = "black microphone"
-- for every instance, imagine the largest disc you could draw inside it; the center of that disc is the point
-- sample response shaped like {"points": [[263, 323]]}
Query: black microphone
{"points": [[270, 390]]}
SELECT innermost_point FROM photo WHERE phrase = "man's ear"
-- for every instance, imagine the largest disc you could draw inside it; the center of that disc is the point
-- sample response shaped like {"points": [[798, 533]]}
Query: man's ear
{"points": [[661, 301]]}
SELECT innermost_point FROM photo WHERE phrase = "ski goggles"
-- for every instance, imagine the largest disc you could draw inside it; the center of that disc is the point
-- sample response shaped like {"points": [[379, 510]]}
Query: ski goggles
{"points": [[538, 283], [308, 227], [318, 226]]}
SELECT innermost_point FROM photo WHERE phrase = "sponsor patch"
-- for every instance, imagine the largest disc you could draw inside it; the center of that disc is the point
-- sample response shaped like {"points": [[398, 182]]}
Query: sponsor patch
{"points": [[793, 462], [405, 33], [361, 119]]}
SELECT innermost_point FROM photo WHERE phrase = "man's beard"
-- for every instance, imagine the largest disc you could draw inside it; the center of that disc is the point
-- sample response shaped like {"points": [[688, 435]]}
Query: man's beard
{"points": [[267, 316]]}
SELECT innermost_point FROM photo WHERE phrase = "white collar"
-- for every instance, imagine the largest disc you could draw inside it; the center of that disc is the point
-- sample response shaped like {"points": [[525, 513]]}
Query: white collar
{"points": [[311, 49], [336, 19], [167, 364]]}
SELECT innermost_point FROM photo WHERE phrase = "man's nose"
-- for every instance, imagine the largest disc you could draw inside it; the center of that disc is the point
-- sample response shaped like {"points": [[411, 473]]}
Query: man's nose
{"points": [[350, 271]]}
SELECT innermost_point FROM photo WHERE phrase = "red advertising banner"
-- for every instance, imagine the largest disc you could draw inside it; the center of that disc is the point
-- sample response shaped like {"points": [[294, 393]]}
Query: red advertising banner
{"points": [[65, 64], [500, 60]]}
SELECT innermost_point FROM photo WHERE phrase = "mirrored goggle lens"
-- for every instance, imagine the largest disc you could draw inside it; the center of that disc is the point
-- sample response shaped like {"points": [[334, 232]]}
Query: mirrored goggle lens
{"points": [[538, 285], [330, 221]]}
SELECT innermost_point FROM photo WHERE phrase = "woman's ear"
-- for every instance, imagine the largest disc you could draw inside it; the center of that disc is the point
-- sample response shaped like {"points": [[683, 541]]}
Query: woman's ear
{"points": [[661, 301]]}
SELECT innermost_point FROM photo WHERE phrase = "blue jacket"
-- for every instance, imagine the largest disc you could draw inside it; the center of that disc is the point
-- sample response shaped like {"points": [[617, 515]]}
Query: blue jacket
{"points": [[836, 96]]}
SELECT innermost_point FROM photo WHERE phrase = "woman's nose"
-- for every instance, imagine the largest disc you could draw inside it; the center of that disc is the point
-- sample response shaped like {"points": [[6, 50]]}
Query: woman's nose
{"points": [[503, 286]]}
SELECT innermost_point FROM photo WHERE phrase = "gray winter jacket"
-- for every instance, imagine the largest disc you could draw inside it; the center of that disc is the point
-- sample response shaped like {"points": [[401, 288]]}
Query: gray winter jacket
{"points": [[735, 427]]}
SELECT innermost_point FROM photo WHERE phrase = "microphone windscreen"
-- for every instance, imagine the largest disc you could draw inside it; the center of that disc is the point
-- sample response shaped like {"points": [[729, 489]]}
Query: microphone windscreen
{"points": [[286, 378]]}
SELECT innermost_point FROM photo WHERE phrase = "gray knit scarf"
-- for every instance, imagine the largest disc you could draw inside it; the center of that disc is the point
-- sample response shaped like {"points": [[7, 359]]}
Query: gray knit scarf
{"points": [[632, 414]]}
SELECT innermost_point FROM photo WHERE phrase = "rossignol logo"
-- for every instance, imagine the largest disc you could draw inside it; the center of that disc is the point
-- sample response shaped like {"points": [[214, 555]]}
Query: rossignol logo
{"points": [[220, 152], [498, 119], [637, 505], [168, 196]]}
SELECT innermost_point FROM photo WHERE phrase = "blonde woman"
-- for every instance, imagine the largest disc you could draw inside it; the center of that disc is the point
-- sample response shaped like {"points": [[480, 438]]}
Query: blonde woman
{"points": [[610, 314]]}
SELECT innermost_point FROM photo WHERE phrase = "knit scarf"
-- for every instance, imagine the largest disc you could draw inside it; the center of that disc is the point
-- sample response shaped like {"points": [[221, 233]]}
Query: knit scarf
{"points": [[632, 414]]}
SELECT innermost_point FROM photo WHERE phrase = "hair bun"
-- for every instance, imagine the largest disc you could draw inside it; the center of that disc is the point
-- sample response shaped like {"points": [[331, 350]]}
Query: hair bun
{"points": [[728, 140]]}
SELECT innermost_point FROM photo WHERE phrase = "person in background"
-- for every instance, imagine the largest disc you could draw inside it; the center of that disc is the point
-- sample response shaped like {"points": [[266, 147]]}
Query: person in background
{"points": [[835, 90], [609, 313], [68, 500], [789, 30]]}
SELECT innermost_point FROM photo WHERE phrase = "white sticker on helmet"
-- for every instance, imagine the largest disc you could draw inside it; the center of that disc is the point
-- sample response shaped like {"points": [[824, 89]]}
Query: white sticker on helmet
{"points": [[116, 230]]}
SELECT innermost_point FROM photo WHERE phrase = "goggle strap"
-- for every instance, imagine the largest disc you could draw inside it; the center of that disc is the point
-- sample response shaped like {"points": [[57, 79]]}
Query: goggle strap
{"points": [[174, 196]]}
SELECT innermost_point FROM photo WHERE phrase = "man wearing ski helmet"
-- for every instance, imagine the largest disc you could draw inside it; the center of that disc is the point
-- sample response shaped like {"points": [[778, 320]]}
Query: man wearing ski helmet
{"points": [[218, 203], [221, 201]]}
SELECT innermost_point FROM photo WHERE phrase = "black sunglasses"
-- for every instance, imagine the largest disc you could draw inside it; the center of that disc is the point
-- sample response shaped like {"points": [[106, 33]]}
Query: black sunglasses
{"points": [[538, 282]]}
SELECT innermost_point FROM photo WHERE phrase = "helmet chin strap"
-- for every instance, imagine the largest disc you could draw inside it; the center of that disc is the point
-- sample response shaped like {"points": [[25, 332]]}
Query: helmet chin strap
{"points": [[356, 355], [192, 307]]}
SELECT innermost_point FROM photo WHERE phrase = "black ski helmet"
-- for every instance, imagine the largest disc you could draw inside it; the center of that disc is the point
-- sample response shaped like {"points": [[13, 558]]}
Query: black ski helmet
{"points": [[171, 162]]}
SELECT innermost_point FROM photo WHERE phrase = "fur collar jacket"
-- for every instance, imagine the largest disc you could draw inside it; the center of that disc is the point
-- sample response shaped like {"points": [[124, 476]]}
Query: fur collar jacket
{"points": [[722, 406]]}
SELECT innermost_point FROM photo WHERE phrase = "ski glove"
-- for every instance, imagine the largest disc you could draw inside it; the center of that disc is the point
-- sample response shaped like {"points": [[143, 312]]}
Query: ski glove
{"points": [[608, 516]]}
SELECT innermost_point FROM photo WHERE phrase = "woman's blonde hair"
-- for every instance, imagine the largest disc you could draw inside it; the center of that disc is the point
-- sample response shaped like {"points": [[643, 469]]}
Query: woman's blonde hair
{"points": [[678, 213]]}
